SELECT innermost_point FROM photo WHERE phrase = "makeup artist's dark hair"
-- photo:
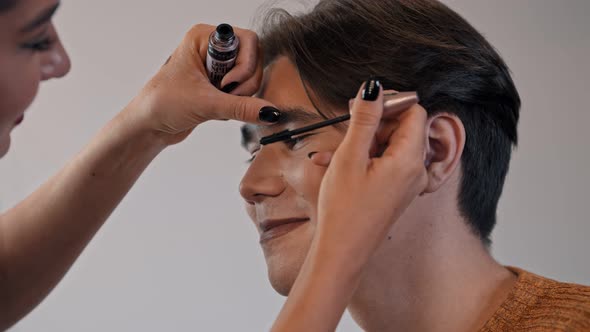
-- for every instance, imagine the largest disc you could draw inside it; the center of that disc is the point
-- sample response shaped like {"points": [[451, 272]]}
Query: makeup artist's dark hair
{"points": [[419, 45], [6, 5]]}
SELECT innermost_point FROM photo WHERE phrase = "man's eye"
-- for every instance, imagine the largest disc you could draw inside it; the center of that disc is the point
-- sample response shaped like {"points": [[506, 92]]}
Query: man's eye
{"points": [[293, 142], [40, 45], [251, 159]]}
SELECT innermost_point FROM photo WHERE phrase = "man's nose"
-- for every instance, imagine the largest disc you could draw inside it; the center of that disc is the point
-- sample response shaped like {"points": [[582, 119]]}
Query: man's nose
{"points": [[56, 63], [263, 179]]}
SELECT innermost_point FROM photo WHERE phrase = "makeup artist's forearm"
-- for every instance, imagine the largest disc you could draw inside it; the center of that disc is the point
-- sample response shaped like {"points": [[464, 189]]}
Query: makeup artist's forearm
{"points": [[43, 235], [321, 292]]}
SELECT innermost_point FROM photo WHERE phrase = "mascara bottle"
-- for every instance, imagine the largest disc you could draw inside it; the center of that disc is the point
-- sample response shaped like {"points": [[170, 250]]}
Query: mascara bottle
{"points": [[222, 53]]}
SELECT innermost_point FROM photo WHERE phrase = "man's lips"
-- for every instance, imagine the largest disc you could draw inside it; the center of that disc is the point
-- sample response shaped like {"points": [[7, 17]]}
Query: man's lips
{"points": [[273, 228]]}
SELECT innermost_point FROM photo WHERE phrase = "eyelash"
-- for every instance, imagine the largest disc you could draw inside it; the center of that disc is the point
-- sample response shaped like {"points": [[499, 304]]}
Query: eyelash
{"points": [[251, 159], [293, 141], [290, 144], [40, 46]]}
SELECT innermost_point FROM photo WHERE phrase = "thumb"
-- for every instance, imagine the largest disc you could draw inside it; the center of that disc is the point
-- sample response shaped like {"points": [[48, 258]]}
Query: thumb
{"points": [[365, 116], [247, 109]]}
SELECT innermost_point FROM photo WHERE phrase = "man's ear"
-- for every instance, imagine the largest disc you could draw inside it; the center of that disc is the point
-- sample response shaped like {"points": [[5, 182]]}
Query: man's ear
{"points": [[445, 140]]}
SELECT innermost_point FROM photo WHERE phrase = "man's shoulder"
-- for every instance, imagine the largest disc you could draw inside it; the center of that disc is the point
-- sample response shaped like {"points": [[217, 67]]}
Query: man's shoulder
{"points": [[555, 303], [569, 300]]}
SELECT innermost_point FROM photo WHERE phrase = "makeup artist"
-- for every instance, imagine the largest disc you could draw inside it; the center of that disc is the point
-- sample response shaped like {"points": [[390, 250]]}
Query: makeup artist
{"points": [[41, 237]]}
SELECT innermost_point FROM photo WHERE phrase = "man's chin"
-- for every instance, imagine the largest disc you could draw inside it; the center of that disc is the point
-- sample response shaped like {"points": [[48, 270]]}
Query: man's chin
{"points": [[283, 270], [281, 284], [284, 257]]}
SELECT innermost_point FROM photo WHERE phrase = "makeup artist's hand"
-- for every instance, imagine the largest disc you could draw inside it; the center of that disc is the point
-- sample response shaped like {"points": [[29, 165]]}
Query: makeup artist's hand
{"points": [[362, 196], [180, 97]]}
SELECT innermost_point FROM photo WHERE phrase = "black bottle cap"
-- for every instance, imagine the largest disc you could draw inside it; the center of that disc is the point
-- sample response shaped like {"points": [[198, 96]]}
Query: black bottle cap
{"points": [[224, 32]]}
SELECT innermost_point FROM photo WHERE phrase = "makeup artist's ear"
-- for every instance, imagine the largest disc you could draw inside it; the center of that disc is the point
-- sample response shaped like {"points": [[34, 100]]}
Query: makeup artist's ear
{"points": [[444, 148]]}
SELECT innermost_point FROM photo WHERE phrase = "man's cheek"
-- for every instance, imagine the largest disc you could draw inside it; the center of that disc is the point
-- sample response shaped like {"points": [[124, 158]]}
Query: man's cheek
{"points": [[311, 182]]}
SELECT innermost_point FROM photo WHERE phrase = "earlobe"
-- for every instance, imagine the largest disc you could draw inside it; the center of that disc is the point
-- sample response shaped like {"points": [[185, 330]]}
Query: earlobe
{"points": [[444, 148]]}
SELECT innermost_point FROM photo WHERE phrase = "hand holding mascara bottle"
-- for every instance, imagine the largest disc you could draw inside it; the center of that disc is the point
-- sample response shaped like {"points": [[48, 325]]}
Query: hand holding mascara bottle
{"points": [[177, 99], [181, 95]]}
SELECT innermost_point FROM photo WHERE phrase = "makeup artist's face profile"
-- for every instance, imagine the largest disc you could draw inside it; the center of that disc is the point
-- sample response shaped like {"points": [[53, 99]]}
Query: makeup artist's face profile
{"points": [[30, 52], [281, 186]]}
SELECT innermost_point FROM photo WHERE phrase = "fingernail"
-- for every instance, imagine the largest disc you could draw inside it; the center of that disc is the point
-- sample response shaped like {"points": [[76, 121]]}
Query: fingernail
{"points": [[230, 87], [311, 154], [269, 114], [371, 90]]}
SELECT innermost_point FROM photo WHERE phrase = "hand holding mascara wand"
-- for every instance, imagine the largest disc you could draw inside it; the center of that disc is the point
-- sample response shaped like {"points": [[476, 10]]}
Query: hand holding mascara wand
{"points": [[360, 198]]}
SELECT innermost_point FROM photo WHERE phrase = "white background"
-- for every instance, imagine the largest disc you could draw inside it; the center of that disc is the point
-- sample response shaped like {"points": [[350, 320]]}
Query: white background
{"points": [[180, 253]]}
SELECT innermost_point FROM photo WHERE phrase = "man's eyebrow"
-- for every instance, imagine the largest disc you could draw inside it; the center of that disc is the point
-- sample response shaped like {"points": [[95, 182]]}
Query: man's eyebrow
{"points": [[44, 17], [297, 115], [288, 115]]}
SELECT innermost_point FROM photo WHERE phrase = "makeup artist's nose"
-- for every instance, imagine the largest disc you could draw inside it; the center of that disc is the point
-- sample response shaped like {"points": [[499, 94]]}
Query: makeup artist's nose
{"points": [[55, 62], [262, 180]]}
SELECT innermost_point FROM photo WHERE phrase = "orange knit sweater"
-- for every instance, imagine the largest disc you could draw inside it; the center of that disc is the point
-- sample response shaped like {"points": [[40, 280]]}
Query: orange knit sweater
{"points": [[540, 304]]}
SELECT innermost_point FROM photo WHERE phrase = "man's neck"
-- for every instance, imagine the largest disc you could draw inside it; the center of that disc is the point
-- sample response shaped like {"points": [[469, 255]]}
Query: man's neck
{"points": [[430, 276]]}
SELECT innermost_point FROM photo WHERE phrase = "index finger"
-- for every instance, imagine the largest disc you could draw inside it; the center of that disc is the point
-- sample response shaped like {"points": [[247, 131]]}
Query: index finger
{"points": [[247, 59], [410, 137]]}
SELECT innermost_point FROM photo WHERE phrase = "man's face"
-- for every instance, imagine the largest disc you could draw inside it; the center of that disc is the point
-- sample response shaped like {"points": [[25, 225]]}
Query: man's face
{"points": [[281, 186]]}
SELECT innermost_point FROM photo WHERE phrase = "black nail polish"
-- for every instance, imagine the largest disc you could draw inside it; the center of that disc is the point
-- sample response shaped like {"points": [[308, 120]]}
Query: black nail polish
{"points": [[311, 154], [269, 114], [371, 90], [230, 87]]}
